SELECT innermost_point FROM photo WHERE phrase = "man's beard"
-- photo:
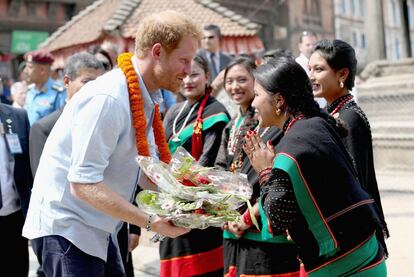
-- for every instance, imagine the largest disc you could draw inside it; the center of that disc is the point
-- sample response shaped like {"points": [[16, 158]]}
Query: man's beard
{"points": [[164, 79]]}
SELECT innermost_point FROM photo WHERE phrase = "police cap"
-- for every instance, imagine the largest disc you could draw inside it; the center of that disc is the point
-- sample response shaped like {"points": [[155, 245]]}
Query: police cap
{"points": [[39, 56]]}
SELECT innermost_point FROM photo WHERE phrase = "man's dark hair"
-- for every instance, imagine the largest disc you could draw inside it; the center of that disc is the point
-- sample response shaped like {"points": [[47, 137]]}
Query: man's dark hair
{"points": [[98, 49], [277, 53], [80, 61], [214, 28], [307, 34]]}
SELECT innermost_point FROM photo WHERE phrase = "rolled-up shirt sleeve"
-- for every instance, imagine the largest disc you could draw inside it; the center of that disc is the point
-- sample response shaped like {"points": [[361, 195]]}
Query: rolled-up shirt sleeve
{"points": [[279, 202], [97, 126]]}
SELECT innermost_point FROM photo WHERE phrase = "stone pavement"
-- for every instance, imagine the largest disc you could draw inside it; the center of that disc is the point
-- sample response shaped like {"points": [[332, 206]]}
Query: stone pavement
{"points": [[399, 213], [145, 257]]}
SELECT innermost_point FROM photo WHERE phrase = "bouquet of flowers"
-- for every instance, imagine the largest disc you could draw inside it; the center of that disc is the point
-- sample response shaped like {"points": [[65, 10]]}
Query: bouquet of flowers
{"points": [[191, 195]]}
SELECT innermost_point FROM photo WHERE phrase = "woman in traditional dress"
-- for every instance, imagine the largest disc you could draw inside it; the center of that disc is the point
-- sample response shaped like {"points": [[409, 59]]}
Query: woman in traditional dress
{"points": [[197, 125], [308, 183], [250, 254], [332, 72]]}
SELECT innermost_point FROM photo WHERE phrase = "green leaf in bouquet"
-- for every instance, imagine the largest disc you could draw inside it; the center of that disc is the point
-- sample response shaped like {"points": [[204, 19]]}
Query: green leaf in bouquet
{"points": [[150, 202], [252, 215], [186, 206]]}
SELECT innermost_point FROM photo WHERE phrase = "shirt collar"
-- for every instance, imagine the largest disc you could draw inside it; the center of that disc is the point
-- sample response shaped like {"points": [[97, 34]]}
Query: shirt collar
{"points": [[302, 56], [48, 85]]}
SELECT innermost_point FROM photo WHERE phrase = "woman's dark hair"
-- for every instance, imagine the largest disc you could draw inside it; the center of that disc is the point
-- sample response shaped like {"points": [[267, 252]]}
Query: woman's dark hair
{"points": [[339, 54], [285, 76], [249, 64], [277, 53], [202, 62]]}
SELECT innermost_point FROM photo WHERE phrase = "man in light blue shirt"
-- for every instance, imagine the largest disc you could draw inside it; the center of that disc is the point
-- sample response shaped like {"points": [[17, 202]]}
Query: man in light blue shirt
{"points": [[45, 95], [88, 172]]}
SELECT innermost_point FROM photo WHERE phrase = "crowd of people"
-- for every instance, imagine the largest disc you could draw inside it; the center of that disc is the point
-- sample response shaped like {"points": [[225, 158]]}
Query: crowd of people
{"points": [[68, 149]]}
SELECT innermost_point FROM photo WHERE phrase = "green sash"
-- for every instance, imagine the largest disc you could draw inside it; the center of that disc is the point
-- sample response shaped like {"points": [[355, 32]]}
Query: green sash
{"points": [[188, 131], [257, 237], [349, 264], [319, 228]]}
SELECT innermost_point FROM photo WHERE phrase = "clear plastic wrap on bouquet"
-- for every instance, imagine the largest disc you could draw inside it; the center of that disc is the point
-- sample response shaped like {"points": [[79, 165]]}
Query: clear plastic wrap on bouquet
{"points": [[196, 215], [191, 195]]}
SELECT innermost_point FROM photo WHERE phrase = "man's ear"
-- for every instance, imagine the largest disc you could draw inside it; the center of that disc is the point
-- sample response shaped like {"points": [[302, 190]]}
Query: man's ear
{"points": [[156, 50], [66, 81]]}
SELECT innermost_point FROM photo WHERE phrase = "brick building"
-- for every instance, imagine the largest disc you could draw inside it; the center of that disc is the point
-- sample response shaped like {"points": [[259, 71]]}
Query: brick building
{"points": [[24, 24], [350, 25], [284, 21]]}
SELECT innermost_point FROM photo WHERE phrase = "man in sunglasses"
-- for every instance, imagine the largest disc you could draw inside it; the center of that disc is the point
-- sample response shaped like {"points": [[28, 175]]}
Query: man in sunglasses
{"points": [[217, 60]]}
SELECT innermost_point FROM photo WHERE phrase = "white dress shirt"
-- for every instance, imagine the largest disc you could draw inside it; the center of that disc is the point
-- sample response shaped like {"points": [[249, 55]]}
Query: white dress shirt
{"points": [[92, 141]]}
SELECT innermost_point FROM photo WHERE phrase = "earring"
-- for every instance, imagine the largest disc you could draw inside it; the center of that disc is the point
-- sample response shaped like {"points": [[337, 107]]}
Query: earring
{"points": [[341, 84], [278, 111]]}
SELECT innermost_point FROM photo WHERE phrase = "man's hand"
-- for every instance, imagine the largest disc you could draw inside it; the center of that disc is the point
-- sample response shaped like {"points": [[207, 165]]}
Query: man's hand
{"points": [[217, 84], [164, 227], [133, 241]]}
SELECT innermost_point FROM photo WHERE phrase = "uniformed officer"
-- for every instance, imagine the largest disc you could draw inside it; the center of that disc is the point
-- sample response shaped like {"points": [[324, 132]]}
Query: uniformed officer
{"points": [[45, 95]]}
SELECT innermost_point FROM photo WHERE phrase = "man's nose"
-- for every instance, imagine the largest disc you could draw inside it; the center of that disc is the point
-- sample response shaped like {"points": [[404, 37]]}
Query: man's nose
{"points": [[187, 69], [187, 79]]}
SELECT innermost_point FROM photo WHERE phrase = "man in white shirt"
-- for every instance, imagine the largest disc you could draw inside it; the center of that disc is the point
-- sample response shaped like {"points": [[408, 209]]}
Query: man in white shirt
{"points": [[88, 174], [307, 41]]}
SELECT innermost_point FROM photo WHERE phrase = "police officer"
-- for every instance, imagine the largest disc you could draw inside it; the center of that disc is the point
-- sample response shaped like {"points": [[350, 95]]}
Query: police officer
{"points": [[45, 95]]}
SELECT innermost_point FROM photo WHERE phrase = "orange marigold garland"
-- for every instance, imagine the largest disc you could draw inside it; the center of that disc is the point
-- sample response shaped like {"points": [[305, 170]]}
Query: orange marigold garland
{"points": [[138, 116], [160, 138]]}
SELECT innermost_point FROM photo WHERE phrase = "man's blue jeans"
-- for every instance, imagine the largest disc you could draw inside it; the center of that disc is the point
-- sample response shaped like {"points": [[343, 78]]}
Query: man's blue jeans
{"points": [[59, 257]]}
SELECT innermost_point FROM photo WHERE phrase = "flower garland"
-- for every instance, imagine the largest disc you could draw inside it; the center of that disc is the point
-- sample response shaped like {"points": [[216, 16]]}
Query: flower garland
{"points": [[138, 116]]}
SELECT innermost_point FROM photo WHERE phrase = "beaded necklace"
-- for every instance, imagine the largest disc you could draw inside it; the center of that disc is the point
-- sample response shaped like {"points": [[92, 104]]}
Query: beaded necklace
{"points": [[176, 134], [234, 133], [242, 124], [342, 102], [290, 123]]}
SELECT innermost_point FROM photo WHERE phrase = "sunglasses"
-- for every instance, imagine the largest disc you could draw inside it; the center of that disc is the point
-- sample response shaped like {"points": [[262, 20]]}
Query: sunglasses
{"points": [[107, 66], [209, 37]]}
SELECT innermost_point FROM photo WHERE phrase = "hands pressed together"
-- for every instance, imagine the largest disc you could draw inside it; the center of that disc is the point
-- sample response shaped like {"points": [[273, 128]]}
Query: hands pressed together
{"points": [[261, 155]]}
